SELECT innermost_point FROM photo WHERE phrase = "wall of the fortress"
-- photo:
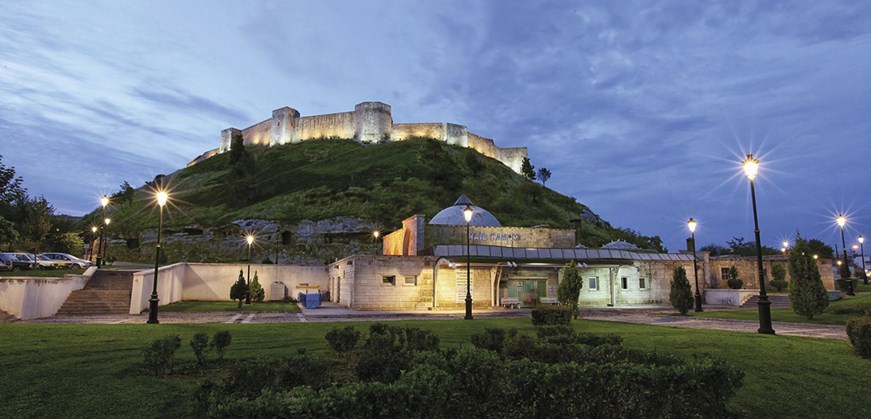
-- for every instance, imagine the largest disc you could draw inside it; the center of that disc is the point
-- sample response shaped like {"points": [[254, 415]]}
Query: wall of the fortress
{"points": [[258, 134], [336, 125], [402, 132]]}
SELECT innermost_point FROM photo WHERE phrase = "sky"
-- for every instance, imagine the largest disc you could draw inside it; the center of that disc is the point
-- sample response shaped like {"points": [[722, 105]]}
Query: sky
{"points": [[642, 110]]}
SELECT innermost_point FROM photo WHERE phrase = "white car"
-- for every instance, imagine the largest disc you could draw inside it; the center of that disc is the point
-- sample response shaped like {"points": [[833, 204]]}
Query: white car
{"points": [[66, 259], [46, 263]]}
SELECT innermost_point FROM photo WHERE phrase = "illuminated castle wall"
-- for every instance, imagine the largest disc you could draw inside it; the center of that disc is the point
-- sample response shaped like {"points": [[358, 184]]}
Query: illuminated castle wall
{"points": [[369, 122]]}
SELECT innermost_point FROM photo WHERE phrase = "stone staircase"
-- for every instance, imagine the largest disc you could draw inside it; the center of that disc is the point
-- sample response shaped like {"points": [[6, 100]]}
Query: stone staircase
{"points": [[777, 301], [107, 292]]}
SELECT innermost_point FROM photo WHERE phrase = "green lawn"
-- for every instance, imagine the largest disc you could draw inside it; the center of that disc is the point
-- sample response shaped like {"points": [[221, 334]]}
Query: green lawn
{"points": [[95, 371], [42, 273], [831, 316], [211, 306]]}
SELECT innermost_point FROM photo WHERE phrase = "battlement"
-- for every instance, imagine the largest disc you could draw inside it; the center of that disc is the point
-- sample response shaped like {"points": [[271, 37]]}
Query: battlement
{"points": [[369, 122]]}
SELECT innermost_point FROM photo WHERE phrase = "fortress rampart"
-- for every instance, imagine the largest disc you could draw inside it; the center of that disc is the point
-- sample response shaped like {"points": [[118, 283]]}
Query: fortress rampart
{"points": [[369, 122]]}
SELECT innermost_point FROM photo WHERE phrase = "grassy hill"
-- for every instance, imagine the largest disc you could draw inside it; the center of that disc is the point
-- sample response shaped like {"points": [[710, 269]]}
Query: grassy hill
{"points": [[383, 183]]}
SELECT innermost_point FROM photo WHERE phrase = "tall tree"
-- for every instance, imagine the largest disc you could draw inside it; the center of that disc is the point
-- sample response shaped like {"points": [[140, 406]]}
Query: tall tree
{"points": [[11, 191], [543, 175], [240, 179], [681, 294], [527, 169], [807, 295], [569, 290], [819, 248]]}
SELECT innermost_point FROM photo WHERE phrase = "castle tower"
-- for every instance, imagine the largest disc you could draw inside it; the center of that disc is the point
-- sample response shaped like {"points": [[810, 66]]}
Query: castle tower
{"points": [[285, 126], [227, 138], [374, 122]]}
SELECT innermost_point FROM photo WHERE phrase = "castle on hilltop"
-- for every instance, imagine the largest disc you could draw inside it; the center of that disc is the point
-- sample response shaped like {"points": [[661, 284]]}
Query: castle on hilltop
{"points": [[369, 122]]}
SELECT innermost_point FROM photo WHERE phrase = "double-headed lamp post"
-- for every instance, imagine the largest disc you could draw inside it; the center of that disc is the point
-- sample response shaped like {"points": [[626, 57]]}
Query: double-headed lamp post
{"points": [[842, 221], [467, 214], [161, 197], [692, 226], [250, 240], [751, 169], [104, 200], [862, 249]]}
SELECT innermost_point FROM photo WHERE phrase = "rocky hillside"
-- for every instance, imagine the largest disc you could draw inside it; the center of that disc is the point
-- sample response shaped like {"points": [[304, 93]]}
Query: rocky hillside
{"points": [[318, 192]]}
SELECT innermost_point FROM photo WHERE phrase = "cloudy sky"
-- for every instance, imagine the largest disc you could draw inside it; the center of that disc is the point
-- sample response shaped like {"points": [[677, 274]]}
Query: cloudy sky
{"points": [[642, 110]]}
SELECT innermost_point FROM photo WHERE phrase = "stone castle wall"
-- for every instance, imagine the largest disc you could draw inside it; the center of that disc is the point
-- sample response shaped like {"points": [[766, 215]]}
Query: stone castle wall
{"points": [[369, 122]]}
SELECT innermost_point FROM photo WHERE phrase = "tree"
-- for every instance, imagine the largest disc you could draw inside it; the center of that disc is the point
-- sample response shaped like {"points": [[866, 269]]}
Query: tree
{"points": [[744, 248], [734, 282], [239, 289], [39, 220], [817, 247], [570, 287], [10, 185], [240, 178], [125, 195], [527, 169], [714, 249], [681, 294], [807, 294], [474, 163], [257, 292], [543, 175], [779, 274]]}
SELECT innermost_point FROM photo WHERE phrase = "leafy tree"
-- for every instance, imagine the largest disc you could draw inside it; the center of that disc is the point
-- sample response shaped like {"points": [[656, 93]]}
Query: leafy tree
{"points": [[8, 234], [64, 242], [257, 292], [239, 289], [807, 294], [10, 185], [39, 220], [474, 163], [125, 195], [570, 287], [681, 294], [744, 248], [527, 169], [714, 249], [543, 175], [817, 247]]}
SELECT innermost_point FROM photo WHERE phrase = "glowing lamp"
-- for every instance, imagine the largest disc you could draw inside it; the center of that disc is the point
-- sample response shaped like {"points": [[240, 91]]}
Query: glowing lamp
{"points": [[692, 225], [250, 239], [104, 200], [93, 229], [841, 220], [467, 213], [107, 221], [751, 167], [162, 197]]}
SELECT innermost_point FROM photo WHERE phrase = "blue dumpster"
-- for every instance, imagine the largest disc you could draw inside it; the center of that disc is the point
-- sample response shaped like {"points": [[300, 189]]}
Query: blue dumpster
{"points": [[312, 301]]}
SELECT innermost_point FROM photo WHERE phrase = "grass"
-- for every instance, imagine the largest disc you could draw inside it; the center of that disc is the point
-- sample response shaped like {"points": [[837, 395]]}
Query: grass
{"points": [[213, 306], [831, 316], [42, 273], [97, 373]]}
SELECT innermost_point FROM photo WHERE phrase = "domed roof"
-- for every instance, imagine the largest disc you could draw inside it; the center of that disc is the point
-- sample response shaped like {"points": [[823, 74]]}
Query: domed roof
{"points": [[453, 215], [620, 245]]}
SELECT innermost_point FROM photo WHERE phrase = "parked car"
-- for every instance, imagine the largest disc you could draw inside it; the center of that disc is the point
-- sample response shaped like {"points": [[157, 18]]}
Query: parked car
{"points": [[5, 262], [68, 260], [20, 261], [46, 263]]}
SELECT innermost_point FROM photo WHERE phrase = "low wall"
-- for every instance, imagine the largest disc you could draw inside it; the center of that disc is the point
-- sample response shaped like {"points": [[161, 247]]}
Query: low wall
{"points": [[34, 297], [212, 281], [729, 297]]}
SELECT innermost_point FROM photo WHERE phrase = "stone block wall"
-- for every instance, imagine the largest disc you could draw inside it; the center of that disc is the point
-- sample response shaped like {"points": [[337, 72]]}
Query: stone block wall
{"points": [[748, 271], [337, 125], [500, 236]]}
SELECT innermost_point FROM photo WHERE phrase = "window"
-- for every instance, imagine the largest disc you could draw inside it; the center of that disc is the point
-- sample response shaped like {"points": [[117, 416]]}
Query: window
{"points": [[624, 283], [594, 283], [388, 279], [411, 280], [642, 283], [724, 273]]}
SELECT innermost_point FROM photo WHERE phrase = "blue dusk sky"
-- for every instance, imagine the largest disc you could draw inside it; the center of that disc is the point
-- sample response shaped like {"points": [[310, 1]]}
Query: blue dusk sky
{"points": [[642, 110]]}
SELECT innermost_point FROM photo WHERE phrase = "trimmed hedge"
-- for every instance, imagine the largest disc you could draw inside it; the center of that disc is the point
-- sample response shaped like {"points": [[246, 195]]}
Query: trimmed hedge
{"points": [[859, 332], [551, 315]]}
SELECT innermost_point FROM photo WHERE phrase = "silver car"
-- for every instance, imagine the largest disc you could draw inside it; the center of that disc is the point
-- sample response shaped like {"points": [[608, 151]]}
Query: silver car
{"points": [[67, 260]]}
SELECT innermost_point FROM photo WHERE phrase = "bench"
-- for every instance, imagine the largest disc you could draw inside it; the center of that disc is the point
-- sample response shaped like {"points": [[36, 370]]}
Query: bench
{"points": [[510, 302], [548, 300]]}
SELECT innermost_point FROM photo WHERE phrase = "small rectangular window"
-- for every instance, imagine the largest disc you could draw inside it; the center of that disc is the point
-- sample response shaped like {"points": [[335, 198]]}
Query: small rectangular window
{"points": [[411, 280], [594, 284], [724, 273], [388, 279], [624, 283], [642, 283]]}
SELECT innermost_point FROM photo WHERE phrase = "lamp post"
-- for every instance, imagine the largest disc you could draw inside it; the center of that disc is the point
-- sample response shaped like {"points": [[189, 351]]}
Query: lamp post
{"points": [[104, 200], [785, 247], [161, 197], [467, 214], [862, 249], [250, 240], [93, 238], [842, 221], [376, 234], [751, 169], [692, 226]]}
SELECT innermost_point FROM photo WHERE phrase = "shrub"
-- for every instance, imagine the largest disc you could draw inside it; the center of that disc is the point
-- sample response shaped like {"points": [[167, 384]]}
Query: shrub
{"points": [[807, 295], [220, 341], [681, 295], [239, 289], [200, 345], [551, 315], [492, 339], [160, 353], [569, 289], [343, 340], [257, 292], [779, 273], [734, 282], [859, 332]]}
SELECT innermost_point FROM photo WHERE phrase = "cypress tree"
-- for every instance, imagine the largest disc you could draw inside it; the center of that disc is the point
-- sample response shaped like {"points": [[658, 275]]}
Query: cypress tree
{"points": [[807, 294], [681, 294], [569, 289]]}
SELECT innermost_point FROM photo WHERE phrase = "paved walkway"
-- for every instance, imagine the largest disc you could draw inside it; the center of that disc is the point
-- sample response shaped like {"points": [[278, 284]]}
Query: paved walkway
{"points": [[653, 315]]}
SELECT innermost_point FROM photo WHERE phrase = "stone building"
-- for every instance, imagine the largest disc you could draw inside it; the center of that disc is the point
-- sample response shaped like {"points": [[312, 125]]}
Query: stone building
{"points": [[369, 122]]}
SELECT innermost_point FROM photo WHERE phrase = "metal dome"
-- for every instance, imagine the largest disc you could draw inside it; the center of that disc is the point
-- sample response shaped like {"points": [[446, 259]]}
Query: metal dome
{"points": [[620, 245], [453, 215]]}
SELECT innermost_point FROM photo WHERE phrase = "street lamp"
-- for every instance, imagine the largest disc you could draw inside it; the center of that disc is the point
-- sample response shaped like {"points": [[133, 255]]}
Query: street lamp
{"points": [[842, 221], [751, 169], [161, 197], [862, 249], [93, 237], [692, 226], [104, 200], [250, 239], [467, 214], [375, 235]]}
